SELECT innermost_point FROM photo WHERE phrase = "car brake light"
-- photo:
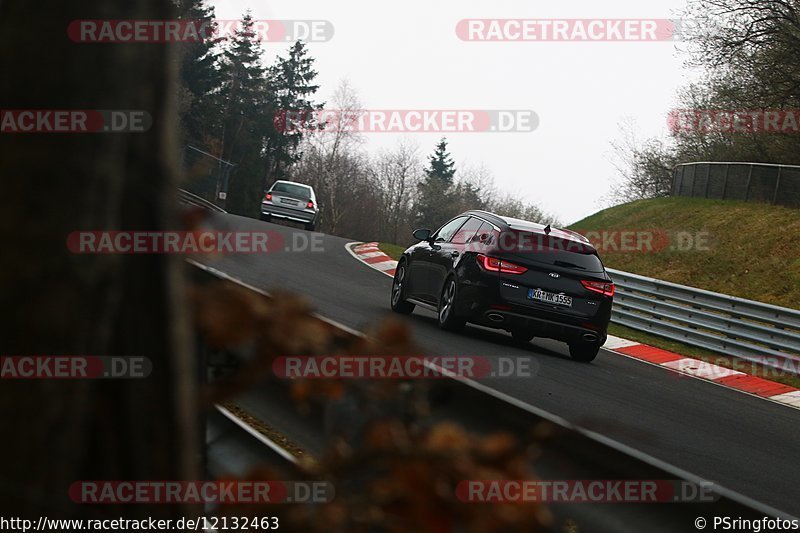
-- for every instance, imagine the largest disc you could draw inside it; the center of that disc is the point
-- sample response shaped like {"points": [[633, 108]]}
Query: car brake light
{"points": [[268, 197], [600, 287], [493, 264], [310, 205]]}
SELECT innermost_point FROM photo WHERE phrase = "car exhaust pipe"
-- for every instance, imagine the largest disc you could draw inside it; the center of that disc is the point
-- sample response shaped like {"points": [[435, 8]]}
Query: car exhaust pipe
{"points": [[496, 317], [589, 337]]}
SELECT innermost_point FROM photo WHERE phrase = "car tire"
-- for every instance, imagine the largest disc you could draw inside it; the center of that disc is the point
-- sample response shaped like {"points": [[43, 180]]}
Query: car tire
{"points": [[522, 336], [398, 301], [583, 351], [310, 227], [265, 217], [446, 310]]}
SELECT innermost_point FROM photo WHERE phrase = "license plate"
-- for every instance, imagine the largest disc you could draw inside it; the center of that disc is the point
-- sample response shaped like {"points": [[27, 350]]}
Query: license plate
{"points": [[286, 201], [549, 297]]}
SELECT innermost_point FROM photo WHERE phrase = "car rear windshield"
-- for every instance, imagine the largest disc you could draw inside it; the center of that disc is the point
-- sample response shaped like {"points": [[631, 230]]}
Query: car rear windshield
{"points": [[290, 189], [550, 250], [585, 262]]}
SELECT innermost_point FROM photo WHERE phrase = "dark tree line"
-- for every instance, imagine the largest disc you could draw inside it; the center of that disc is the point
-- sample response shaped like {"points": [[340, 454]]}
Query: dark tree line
{"points": [[230, 101], [236, 108]]}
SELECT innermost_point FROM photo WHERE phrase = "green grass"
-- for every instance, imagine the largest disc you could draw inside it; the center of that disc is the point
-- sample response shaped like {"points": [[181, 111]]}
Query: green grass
{"points": [[392, 250], [753, 252]]}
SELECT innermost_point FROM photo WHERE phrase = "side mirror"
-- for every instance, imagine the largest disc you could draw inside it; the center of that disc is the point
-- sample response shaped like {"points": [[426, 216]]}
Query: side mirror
{"points": [[422, 234]]}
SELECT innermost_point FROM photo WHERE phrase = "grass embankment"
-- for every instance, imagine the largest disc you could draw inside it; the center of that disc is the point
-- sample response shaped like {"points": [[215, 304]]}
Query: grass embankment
{"points": [[747, 250]]}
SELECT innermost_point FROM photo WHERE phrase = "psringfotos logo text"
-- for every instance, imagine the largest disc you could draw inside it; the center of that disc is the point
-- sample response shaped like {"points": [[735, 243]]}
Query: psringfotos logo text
{"points": [[195, 31], [575, 30], [734, 121], [408, 121], [74, 121]]}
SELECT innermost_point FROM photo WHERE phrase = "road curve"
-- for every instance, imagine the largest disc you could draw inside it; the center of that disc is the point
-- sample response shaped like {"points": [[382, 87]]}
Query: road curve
{"points": [[742, 442]]}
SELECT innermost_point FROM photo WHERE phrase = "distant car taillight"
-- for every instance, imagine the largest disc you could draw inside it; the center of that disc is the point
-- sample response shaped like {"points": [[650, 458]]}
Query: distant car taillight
{"points": [[493, 264], [600, 287], [268, 197], [310, 205]]}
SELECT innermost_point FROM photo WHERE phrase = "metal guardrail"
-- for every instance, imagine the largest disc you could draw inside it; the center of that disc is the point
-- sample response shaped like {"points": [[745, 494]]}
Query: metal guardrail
{"points": [[205, 175], [192, 199], [754, 331], [234, 448]]}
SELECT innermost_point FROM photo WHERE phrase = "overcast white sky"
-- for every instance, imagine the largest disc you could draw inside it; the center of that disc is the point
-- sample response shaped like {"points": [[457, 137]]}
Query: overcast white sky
{"points": [[405, 55]]}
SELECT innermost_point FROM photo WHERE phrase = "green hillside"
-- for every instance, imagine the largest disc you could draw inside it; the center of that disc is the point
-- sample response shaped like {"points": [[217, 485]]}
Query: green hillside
{"points": [[745, 249]]}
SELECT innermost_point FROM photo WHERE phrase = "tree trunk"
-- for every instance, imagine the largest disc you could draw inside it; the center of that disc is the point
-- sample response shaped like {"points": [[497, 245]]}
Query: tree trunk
{"points": [[54, 302]]}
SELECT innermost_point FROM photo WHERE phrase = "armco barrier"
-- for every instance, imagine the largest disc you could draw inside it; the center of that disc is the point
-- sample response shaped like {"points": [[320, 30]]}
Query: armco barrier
{"points": [[750, 330]]}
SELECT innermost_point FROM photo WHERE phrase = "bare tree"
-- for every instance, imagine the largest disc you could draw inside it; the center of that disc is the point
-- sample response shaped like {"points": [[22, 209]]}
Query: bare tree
{"points": [[396, 173], [334, 157], [644, 169]]}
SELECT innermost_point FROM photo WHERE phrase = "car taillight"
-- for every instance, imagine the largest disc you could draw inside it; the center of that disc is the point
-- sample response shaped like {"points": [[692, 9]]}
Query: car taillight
{"points": [[600, 287], [310, 205], [493, 264], [268, 197]]}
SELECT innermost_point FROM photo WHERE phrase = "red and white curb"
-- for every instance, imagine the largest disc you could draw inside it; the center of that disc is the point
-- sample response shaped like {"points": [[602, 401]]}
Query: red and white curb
{"points": [[370, 255]]}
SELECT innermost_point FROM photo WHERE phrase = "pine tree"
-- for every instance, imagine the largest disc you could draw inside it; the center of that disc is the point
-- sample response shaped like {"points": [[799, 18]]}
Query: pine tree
{"points": [[200, 78], [292, 82], [433, 206], [442, 166], [246, 121]]}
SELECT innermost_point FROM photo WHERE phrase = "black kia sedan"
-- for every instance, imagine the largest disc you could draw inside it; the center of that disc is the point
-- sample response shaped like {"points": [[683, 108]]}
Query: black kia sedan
{"points": [[528, 279]]}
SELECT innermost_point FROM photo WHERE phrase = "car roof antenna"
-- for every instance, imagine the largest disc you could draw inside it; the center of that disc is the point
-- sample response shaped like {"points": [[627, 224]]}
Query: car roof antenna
{"points": [[547, 229]]}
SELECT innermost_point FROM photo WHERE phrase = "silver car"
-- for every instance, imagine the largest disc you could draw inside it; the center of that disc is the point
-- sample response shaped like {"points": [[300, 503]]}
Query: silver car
{"points": [[291, 201]]}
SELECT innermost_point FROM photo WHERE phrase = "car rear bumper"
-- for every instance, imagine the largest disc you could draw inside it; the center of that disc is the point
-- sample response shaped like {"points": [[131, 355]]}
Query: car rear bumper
{"points": [[482, 303], [543, 327], [299, 215]]}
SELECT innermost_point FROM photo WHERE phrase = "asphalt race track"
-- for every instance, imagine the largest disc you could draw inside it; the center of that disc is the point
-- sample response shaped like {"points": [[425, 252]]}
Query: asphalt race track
{"points": [[747, 444]]}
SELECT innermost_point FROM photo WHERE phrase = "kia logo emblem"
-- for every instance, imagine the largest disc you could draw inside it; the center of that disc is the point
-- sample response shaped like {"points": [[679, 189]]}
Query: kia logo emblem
{"points": [[554, 274]]}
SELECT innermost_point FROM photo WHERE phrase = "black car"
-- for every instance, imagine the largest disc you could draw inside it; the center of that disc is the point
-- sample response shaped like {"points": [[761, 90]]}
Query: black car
{"points": [[526, 278]]}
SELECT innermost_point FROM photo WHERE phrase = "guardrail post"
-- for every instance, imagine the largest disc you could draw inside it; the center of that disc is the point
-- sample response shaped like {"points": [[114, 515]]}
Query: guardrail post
{"points": [[777, 185], [677, 179], [725, 180], [747, 187]]}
